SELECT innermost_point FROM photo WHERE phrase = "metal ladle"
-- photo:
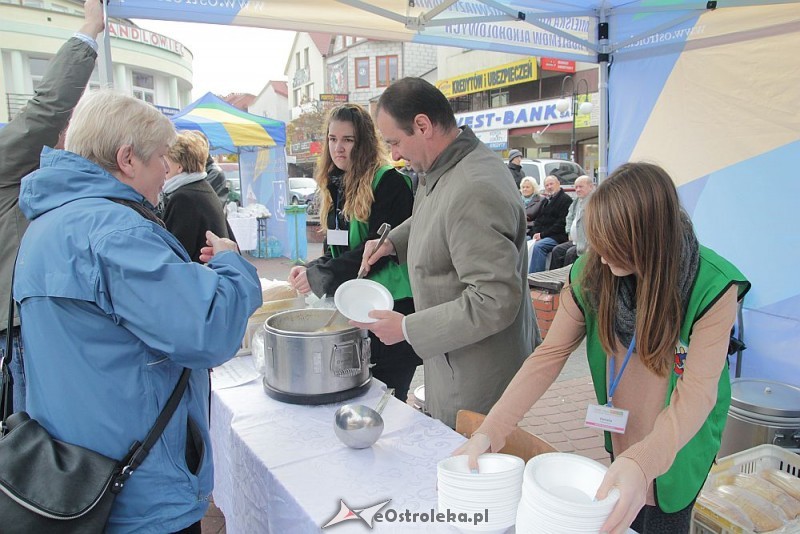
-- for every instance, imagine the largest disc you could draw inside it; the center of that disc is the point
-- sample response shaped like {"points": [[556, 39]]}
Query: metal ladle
{"points": [[359, 426], [383, 231]]}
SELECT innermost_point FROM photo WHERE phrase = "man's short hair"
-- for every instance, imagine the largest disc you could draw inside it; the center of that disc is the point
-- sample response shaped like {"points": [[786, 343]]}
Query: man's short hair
{"points": [[136, 123], [583, 178], [409, 97]]}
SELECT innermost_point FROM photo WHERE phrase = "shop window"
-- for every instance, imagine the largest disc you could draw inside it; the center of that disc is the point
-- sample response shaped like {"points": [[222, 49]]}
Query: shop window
{"points": [[143, 87], [38, 67], [498, 98], [362, 72], [385, 70]]}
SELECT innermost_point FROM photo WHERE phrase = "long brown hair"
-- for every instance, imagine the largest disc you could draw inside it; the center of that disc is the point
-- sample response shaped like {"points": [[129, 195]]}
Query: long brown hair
{"points": [[366, 158], [633, 219]]}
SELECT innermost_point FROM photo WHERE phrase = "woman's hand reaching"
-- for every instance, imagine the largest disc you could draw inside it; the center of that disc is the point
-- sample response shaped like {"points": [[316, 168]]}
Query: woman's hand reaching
{"points": [[627, 477], [477, 445]]}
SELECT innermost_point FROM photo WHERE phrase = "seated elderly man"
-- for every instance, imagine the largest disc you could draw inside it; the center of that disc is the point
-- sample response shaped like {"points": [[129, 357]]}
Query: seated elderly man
{"points": [[549, 226], [566, 253], [113, 310]]}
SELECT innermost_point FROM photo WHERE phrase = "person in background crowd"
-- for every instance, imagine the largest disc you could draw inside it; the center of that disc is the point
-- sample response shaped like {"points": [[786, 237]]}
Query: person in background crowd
{"points": [[39, 124], [215, 176], [514, 165], [531, 199], [656, 309], [112, 309], [566, 253], [359, 192], [190, 206], [549, 226], [466, 253]]}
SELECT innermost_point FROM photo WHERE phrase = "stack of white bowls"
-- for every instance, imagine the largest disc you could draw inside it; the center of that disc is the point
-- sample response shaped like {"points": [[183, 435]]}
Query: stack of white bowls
{"points": [[558, 492], [496, 487]]}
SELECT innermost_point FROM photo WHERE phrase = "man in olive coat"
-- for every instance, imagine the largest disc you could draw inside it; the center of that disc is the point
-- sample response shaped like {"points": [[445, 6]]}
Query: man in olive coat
{"points": [[466, 254], [38, 125]]}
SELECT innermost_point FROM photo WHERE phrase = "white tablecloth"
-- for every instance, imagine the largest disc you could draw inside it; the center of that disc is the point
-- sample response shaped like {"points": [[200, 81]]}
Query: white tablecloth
{"points": [[246, 232], [279, 468]]}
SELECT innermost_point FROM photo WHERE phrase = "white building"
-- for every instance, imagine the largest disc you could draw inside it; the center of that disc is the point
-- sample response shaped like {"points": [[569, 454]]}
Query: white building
{"points": [[272, 101], [152, 67]]}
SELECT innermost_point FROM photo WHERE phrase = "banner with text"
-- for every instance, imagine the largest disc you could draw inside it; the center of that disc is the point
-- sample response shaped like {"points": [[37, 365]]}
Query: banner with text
{"points": [[493, 78]]}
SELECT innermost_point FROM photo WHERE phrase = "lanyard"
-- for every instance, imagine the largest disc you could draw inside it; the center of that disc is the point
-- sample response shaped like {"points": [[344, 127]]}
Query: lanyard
{"points": [[614, 379]]}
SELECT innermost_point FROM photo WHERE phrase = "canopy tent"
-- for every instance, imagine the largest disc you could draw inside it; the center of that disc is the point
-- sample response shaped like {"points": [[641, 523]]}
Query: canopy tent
{"points": [[228, 128], [706, 89], [259, 143]]}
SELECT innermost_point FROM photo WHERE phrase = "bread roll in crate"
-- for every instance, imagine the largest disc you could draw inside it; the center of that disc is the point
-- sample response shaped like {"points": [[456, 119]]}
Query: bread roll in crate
{"points": [[741, 495]]}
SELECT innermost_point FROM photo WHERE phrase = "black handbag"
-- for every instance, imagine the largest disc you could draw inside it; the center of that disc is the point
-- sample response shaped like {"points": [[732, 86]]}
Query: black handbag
{"points": [[50, 486]]}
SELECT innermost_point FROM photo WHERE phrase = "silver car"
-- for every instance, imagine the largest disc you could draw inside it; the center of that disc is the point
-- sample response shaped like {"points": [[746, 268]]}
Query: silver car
{"points": [[301, 190]]}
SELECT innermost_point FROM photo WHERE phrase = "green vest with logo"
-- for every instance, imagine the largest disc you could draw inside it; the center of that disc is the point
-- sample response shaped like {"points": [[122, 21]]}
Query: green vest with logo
{"points": [[392, 276], [676, 488]]}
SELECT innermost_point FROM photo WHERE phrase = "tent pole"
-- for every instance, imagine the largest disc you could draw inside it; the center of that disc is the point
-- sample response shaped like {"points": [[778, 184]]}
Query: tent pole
{"points": [[104, 53], [602, 128]]}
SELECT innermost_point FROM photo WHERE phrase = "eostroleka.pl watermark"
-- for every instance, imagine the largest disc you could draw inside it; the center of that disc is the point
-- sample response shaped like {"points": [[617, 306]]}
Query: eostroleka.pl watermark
{"points": [[375, 514]]}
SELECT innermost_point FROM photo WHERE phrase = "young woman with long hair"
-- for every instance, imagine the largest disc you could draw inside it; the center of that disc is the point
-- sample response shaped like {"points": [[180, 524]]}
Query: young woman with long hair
{"points": [[656, 309], [359, 191]]}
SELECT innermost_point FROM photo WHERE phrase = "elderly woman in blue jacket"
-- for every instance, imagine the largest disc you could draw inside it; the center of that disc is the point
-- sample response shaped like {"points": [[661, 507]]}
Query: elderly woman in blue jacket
{"points": [[113, 309]]}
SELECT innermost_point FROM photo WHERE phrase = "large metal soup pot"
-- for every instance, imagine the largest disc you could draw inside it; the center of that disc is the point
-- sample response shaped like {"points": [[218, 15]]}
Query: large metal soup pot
{"points": [[304, 365]]}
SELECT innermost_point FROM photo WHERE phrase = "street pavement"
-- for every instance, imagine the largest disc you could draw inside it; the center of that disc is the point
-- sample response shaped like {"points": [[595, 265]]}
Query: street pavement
{"points": [[556, 418]]}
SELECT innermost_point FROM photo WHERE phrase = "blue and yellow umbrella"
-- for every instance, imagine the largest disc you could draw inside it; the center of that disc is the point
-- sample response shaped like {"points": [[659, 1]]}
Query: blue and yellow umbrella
{"points": [[228, 128]]}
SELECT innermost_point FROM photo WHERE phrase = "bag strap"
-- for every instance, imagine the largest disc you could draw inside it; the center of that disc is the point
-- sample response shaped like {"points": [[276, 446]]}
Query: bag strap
{"points": [[7, 399], [139, 451]]}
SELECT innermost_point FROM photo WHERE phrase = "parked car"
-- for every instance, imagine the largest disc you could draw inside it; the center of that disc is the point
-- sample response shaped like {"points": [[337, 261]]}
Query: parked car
{"points": [[300, 189], [566, 171]]}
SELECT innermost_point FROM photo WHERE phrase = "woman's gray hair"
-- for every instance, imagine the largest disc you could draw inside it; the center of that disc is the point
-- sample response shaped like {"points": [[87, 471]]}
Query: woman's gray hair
{"points": [[106, 120], [531, 181]]}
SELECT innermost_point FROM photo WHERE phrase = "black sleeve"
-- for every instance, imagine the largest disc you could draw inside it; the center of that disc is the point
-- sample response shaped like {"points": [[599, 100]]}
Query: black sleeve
{"points": [[558, 227], [393, 204]]}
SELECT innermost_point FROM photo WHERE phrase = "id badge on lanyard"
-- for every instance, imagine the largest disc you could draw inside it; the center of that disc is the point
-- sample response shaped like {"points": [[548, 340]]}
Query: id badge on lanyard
{"points": [[338, 237], [608, 417]]}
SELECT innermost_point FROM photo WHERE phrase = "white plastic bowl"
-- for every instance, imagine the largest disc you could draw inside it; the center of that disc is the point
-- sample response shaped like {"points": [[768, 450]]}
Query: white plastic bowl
{"points": [[356, 298], [490, 466]]}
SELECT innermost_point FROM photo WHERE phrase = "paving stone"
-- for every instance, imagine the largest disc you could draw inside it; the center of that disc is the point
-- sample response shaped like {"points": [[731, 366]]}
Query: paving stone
{"points": [[537, 411], [560, 417], [586, 443], [582, 433], [554, 437], [573, 424]]}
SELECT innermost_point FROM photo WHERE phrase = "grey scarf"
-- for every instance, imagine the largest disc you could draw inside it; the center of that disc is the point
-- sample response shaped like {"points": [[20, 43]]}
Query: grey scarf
{"points": [[625, 317]]}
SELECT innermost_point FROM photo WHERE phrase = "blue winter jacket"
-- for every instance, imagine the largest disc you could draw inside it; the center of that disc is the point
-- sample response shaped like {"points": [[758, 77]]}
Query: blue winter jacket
{"points": [[112, 309]]}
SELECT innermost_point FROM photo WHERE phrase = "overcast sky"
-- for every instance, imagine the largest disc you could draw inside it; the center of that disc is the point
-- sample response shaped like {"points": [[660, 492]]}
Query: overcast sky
{"points": [[229, 59]]}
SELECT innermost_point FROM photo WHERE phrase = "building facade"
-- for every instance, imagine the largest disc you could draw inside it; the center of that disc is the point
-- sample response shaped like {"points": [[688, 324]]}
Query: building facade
{"points": [[272, 101], [147, 65], [512, 101]]}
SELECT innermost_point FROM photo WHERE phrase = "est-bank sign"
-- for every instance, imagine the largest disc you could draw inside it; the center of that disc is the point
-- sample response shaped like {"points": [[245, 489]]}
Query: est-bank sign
{"points": [[519, 116]]}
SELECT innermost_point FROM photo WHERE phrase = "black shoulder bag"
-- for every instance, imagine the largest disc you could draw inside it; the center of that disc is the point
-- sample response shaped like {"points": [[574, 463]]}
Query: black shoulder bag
{"points": [[50, 486]]}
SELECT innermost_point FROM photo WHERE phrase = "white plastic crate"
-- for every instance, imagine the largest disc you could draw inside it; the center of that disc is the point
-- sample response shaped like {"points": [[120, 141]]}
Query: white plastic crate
{"points": [[751, 461]]}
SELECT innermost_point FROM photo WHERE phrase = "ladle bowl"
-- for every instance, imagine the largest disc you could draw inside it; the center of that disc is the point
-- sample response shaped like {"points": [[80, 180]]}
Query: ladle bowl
{"points": [[359, 426]]}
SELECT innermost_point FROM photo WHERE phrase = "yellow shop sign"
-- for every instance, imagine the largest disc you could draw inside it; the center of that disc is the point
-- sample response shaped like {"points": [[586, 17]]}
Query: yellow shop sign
{"points": [[494, 78]]}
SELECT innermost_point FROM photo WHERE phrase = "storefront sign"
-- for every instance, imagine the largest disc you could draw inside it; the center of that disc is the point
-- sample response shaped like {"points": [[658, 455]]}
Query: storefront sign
{"points": [[140, 35], [169, 112], [494, 139], [519, 116], [558, 65], [331, 97], [494, 78]]}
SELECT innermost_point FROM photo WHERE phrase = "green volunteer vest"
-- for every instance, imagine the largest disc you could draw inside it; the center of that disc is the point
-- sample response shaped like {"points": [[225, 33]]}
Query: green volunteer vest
{"points": [[393, 276], [676, 488]]}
